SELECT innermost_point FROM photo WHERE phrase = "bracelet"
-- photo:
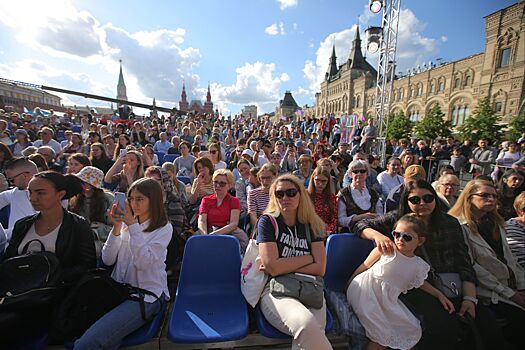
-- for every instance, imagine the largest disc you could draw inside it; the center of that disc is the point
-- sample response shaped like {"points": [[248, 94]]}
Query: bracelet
{"points": [[469, 298]]}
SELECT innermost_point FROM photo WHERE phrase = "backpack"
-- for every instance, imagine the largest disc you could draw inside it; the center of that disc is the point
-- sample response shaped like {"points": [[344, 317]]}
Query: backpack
{"points": [[29, 280], [95, 294]]}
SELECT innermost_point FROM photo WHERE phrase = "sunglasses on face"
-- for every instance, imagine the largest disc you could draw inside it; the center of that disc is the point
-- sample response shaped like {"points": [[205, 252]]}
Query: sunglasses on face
{"points": [[359, 171], [486, 195], [219, 183], [404, 236], [213, 152], [290, 193], [427, 198]]}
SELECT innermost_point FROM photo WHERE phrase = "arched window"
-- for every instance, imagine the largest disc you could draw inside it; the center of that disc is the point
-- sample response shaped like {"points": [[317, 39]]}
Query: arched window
{"points": [[456, 83], [455, 116], [432, 88], [419, 89], [402, 94], [353, 102], [442, 85], [468, 80], [358, 102]]}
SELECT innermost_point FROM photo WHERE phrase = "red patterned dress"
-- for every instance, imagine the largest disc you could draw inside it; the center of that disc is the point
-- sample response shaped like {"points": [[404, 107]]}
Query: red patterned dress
{"points": [[328, 215]]}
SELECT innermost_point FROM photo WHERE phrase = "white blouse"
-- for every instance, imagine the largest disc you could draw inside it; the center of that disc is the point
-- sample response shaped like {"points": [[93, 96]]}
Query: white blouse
{"points": [[140, 257]]}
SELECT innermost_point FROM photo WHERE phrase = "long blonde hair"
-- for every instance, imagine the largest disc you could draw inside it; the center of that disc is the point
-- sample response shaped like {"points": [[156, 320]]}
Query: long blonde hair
{"points": [[463, 207], [305, 212]]}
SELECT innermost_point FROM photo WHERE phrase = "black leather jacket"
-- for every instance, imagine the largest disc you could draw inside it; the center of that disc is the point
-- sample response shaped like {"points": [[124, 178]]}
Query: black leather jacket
{"points": [[75, 246]]}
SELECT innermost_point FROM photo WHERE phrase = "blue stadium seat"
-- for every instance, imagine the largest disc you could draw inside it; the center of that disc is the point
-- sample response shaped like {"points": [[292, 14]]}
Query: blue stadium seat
{"points": [[169, 158], [209, 306], [61, 136], [112, 187], [344, 253], [4, 216], [184, 179], [160, 156], [76, 128], [270, 331]]}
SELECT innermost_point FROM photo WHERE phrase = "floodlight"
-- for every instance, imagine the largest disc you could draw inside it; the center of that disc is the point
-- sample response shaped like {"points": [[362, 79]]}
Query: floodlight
{"points": [[376, 5], [373, 37]]}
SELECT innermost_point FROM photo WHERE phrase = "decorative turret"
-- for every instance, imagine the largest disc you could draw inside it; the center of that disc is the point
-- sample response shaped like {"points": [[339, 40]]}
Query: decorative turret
{"points": [[208, 105], [121, 87], [332, 67], [183, 103], [356, 59]]}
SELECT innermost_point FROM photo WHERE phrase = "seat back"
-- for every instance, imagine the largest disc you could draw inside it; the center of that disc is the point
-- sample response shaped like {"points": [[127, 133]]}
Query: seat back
{"points": [[169, 158], [184, 179], [211, 266], [160, 157], [4, 216], [344, 253]]}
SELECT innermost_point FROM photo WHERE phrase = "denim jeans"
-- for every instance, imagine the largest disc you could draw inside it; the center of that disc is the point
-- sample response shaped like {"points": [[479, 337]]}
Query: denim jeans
{"points": [[109, 331]]}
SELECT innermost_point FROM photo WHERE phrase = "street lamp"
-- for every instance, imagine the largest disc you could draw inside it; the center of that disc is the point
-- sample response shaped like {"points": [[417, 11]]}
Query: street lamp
{"points": [[376, 5], [373, 38]]}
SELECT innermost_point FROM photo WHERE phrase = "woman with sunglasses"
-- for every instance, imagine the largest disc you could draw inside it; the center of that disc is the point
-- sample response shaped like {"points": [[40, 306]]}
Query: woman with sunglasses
{"points": [[215, 156], [219, 213], [324, 199], [447, 251], [356, 201], [258, 198], [373, 290], [501, 281], [288, 249]]}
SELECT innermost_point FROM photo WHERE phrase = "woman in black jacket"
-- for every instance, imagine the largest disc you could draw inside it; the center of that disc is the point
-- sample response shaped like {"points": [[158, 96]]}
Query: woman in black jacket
{"points": [[59, 231], [448, 253]]}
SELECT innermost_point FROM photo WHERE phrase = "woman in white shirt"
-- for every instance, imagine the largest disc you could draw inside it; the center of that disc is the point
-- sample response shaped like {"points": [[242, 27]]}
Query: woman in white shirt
{"points": [[137, 246]]}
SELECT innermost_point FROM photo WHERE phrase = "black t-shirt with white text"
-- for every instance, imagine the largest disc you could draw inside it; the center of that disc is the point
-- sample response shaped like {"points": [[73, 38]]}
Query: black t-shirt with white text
{"points": [[291, 241]]}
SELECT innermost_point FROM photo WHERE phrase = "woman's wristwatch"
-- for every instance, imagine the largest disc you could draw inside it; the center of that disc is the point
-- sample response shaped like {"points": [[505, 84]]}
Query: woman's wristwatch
{"points": [[469, 298]]}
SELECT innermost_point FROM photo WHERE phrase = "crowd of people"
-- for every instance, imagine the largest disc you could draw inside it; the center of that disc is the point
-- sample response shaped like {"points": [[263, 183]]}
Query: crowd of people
{"points": [[204, 174]]}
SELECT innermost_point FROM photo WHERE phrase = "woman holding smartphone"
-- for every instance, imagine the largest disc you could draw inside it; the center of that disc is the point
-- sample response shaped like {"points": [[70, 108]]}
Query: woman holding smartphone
{"points": [[137, 246]]}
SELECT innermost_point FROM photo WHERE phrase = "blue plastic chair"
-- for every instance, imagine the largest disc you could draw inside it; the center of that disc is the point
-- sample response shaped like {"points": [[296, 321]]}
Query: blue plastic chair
{"points": [[142, 335], [270, 331], [112, 186], [61, 136], [169, 158], [76, 128], [184, 179], [4, 216], [209, 306], [160, 156], [344, 253]]}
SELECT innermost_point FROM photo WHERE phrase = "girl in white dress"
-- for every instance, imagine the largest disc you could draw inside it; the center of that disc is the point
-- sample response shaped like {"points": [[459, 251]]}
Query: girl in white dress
{"points": [[375, 286]]}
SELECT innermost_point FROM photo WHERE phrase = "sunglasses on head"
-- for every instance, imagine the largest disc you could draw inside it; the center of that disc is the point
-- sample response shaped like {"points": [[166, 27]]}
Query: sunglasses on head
{"points": [[404, 236], [359, 171], [290, 193], [427, 198]]}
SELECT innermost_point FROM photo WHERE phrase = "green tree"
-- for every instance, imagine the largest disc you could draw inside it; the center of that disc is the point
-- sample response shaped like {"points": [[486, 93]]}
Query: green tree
{"points": [[399, 126], [433, 125], [483, 123], [516, 127]]}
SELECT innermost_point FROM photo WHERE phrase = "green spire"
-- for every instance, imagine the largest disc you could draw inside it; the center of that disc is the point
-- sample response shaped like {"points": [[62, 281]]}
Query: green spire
{"points": [[120, 76]]}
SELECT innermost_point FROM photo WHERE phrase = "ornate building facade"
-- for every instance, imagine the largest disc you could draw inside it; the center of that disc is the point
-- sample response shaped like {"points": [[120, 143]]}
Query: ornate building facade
{"points": [[195, 105], [498, 72]]}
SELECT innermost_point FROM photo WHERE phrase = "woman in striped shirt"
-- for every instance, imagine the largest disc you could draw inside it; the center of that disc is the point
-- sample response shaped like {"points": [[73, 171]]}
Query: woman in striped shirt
{"points": [[515, 228], [258, 198]]}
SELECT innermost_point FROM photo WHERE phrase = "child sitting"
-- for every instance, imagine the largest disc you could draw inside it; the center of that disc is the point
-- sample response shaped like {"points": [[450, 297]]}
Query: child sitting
{"points": [[375, 286]]}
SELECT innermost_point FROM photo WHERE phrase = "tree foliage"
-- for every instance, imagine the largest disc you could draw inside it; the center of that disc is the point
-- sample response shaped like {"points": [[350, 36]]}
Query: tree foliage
{"points": [[399, 126], [483, 123], [433, 125], [516, 127]]}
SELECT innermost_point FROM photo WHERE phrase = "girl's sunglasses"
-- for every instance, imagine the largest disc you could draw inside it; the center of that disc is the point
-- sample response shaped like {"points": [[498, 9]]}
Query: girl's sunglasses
{"points": [[404, 236], [290, 193], [427, 198]]}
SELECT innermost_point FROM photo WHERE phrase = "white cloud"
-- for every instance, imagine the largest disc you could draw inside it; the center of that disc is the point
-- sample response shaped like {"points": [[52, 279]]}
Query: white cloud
{"points": [[275, 29], [444, 38], [255, 84], [284, 4], [413, 48]]}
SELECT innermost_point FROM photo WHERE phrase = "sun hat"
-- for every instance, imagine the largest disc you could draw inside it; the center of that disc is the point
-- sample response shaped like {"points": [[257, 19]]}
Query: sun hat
{"points": [[248, 152], [91, 175]]}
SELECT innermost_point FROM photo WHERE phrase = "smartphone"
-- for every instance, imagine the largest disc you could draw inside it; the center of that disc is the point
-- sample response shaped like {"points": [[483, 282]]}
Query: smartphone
{"points": [[120, 198], [123, 152]]}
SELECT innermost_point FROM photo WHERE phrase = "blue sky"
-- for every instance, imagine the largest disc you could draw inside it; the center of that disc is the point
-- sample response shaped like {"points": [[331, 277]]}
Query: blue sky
{"points": [[250, 51]]}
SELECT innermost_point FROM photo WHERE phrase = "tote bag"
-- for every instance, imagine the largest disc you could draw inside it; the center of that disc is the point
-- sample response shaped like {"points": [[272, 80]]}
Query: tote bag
{"points": [[252, 279]]}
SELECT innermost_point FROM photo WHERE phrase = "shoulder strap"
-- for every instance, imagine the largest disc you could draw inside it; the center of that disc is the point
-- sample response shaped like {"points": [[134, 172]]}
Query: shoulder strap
{"points": [[308, 235]]}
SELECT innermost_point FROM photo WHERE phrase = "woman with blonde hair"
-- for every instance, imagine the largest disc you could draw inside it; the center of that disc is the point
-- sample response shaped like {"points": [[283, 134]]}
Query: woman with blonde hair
{"points": [[447, 189], [291, 241], [323, 197], [216, 157], [501, 280]]}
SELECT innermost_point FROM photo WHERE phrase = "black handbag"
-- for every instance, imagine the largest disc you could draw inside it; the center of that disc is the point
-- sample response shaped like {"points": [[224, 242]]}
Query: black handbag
{"points": [[29, 280], [95, 294], [308, 289]]}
